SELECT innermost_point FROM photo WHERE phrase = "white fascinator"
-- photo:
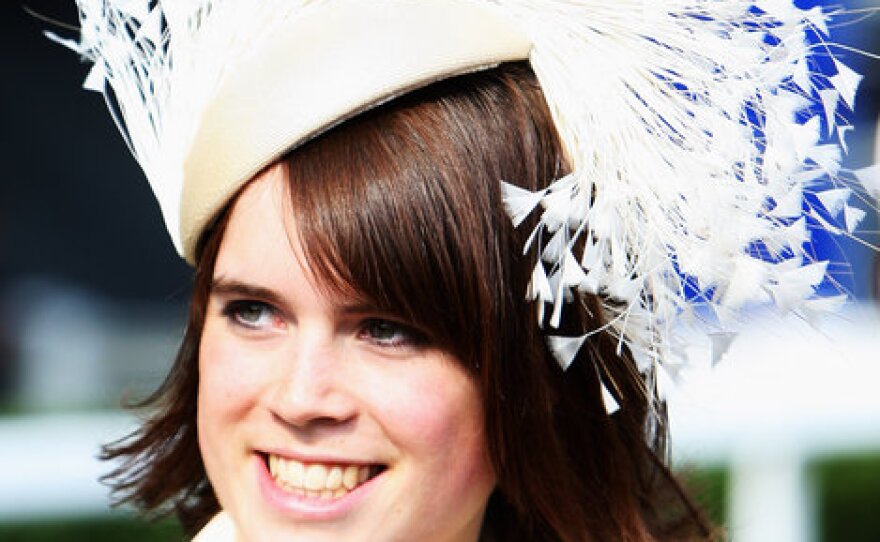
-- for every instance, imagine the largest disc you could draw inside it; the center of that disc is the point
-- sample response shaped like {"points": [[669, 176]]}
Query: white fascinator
{"points": [[694, 129]]}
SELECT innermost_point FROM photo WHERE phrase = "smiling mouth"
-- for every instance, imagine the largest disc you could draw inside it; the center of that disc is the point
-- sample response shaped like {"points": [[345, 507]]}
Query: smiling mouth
{"points": [[319, 480]]}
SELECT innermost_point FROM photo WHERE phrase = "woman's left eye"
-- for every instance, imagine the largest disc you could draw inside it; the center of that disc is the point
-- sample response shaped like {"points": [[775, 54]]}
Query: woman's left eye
{"points": [[389, 333]]}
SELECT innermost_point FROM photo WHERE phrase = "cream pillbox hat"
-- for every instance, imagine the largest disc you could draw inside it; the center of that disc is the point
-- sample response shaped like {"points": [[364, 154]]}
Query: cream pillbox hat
{"points": [[694, 128], [257, 116]]}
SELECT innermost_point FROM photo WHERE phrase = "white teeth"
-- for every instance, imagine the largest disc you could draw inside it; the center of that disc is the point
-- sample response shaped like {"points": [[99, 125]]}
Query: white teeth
{"points": [[316, 477], [316, 481], [296, 472], [334, 478], [350, 477]]}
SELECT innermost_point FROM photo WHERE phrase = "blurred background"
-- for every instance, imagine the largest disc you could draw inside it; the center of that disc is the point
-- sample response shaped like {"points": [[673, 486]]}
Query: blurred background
{"points": [[780, 440]]}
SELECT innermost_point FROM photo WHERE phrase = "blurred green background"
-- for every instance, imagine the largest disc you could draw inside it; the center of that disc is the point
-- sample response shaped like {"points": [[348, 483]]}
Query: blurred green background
{"points": [[848, 492]]}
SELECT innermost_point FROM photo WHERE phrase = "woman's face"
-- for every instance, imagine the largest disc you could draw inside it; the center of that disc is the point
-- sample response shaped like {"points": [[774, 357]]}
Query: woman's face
{"points": [[320, 418]]}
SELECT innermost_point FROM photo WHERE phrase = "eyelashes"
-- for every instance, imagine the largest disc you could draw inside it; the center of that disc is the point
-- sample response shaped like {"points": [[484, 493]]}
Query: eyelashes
{"points": [[253, 315], [390, 333], [258, 316]]}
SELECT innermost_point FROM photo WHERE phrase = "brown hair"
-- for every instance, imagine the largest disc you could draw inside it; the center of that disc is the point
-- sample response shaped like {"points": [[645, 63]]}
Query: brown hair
{"points": [[402, 206]]}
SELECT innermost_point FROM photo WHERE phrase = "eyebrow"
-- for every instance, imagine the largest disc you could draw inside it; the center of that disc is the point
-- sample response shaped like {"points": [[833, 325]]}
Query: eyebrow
{"points": [[236, 288]]}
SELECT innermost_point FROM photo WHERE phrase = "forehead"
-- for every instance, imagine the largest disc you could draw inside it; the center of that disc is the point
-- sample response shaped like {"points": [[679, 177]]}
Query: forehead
{"points": [[260, 242]]}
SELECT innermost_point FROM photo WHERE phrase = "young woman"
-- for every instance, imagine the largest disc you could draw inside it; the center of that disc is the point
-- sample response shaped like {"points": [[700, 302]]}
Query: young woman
{"points": [[371, 354], [359, 306]]}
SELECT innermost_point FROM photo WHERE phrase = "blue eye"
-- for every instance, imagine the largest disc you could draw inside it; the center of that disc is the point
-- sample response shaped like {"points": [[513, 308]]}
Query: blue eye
{"points": [[251, 314], [389, 333]]}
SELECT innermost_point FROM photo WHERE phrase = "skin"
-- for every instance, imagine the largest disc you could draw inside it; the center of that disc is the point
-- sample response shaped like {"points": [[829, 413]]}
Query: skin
{"points": [[287, 368]]}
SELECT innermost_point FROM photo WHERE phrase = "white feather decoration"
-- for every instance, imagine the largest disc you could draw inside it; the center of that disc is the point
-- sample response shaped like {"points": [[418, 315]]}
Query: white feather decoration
{"points": [[679, 117], [159, 64]]}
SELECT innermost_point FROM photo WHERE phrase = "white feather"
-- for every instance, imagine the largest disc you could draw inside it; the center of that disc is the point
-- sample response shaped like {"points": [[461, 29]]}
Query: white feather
{"points": [[565, 349], [555, 249], [519, 202], [573, 275], [852, 217], [818, 19], [827, 157], [795, 284], [557, 205], [539, 287], [790, 204], [96, 79], [842, 131], [749, 275], [162, 61], [696, 191], [829, 98], [846, 82], [813, 310], [869, 177], [823, 222], [834, 199], [680, 119], [721, 342], [611, 404]]}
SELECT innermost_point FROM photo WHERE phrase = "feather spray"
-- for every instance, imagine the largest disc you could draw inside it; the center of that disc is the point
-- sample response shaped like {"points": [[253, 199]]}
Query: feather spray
{"points": [[693, 128]]}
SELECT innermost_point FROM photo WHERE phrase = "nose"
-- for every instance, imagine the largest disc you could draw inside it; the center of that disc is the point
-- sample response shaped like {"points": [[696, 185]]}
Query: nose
{"points": [[311, 387]]}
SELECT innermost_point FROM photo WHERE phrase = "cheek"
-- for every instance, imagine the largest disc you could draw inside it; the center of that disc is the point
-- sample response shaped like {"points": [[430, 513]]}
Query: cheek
{"points": [[437, 419], [228, 376], [440, 430], [228, 386], [429, 417]]}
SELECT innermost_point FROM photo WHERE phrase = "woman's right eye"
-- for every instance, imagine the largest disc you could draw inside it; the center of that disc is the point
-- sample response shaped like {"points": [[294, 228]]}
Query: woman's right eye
{"points": [[253, 314]]}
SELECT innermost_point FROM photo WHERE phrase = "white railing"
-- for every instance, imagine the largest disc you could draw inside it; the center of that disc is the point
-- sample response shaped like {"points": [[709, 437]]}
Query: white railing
{"points": [[49, 465], [782, 396]]}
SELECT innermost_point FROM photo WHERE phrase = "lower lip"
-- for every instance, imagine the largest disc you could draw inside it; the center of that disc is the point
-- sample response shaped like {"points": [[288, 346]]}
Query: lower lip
{"points": [[302, 508]]}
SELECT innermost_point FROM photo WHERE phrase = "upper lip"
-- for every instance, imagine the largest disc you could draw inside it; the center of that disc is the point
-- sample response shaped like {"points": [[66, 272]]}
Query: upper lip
{"points": [[317, 457]]}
